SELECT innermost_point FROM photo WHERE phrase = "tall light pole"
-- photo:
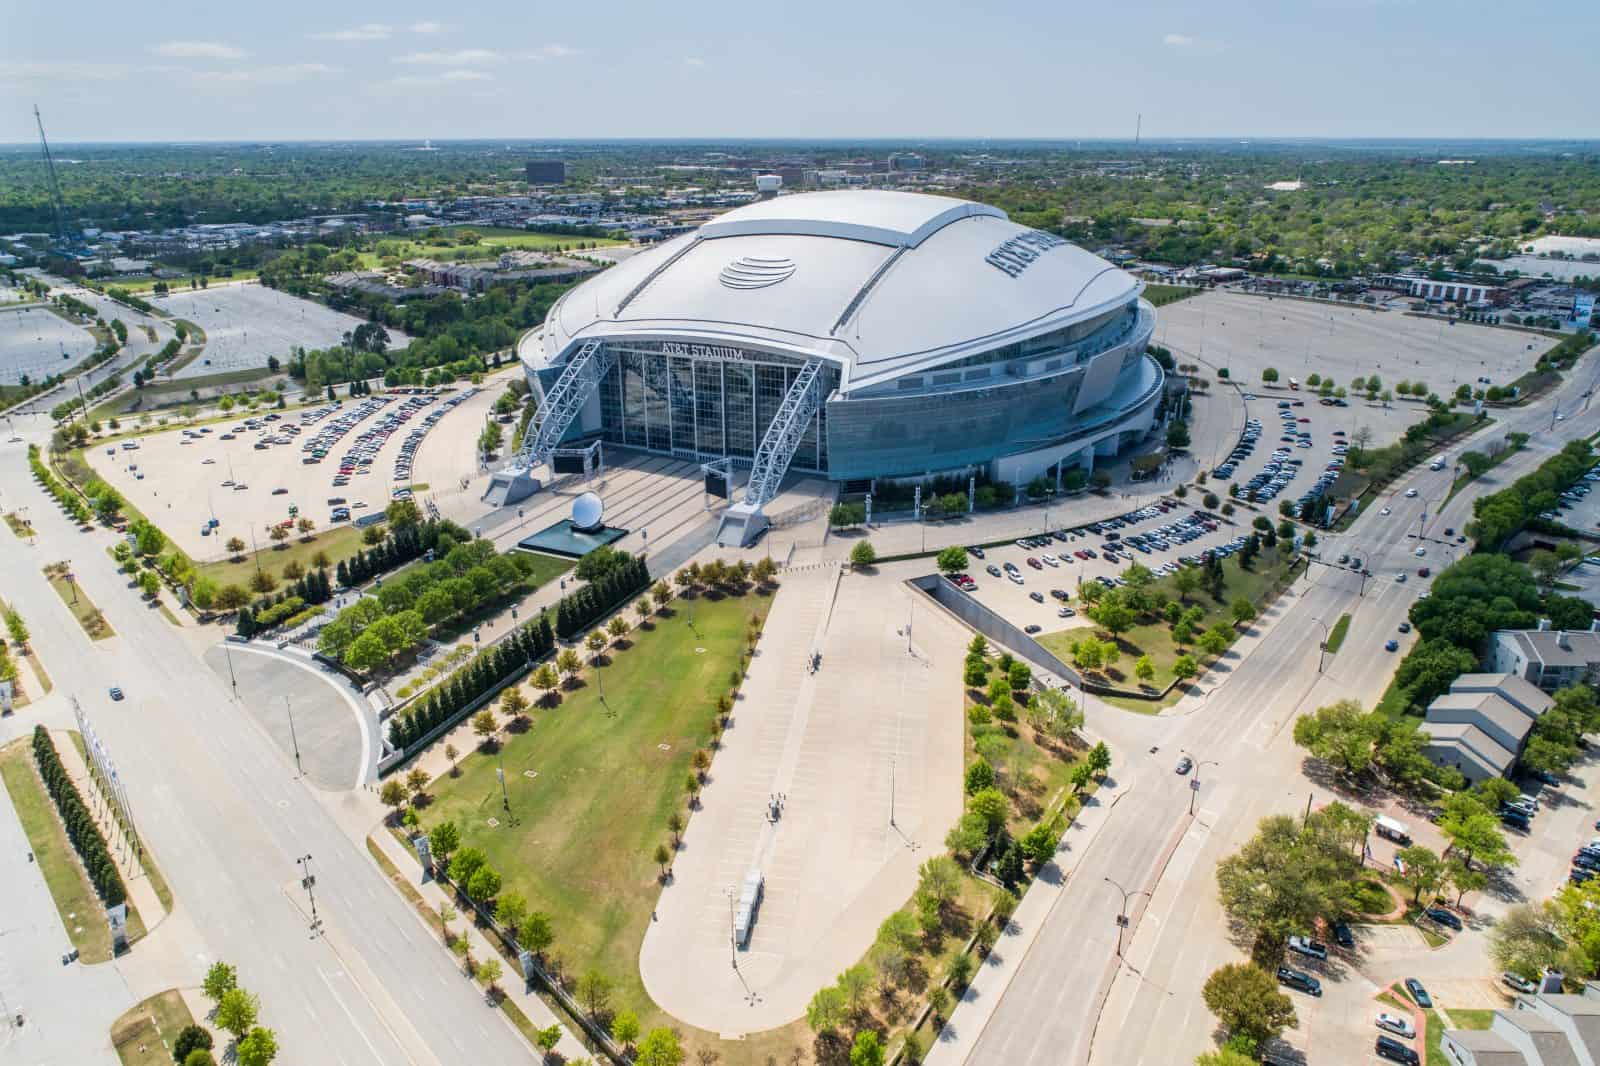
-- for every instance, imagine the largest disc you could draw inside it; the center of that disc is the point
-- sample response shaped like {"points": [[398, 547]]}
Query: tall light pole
{"points": [[1122, 913], [293, 739], [308, 881], [1194, 783], [1322, 649]]}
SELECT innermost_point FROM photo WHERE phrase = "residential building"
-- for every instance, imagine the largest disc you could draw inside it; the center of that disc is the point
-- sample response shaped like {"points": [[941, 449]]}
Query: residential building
{"points": [[1482, 724], [1547, 1029], [1548, 659], [547, 172]]}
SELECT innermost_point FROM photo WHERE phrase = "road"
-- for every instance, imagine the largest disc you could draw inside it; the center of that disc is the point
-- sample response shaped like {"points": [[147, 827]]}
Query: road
{"points": [[221, 807], [1058, 1007]]}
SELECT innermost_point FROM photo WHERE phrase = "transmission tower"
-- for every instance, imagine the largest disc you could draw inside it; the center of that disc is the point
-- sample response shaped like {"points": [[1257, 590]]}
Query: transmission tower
{"points": [[55, 186]]}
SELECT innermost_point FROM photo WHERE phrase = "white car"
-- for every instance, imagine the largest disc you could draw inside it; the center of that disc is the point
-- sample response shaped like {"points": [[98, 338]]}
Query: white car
{"points": [[1420, 552], [1410, 493], [1395, 1024], [1384, 511], [1015, 577], [1050, 560]]}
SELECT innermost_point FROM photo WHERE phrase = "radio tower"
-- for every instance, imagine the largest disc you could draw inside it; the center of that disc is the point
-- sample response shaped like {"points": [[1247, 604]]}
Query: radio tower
{"points": [[55, 186]]}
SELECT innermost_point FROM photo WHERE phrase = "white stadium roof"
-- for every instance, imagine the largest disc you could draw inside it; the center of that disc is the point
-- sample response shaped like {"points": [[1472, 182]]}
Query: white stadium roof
{"points": [[880, 283]]}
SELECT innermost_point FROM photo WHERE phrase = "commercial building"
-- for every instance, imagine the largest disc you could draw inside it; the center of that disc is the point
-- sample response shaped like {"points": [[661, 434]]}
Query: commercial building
{"points": [[1482, 724], [855, 335], [547, 172], [1548, 659]]}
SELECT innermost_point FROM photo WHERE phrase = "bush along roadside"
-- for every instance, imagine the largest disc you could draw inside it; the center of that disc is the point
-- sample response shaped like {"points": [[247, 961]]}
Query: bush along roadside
{"points": [[80, 824]]}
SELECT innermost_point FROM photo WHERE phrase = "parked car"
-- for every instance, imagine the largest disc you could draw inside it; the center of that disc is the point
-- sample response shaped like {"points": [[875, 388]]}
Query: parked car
{"points": [[1342, 935], [1185, 764], [1389, 1048], [1444, 917], [1030, 630], [1515, 980], [1419, 995], [1308, 947], [1394, 1023], [1300, 982], [116, 694], [976, 553]]}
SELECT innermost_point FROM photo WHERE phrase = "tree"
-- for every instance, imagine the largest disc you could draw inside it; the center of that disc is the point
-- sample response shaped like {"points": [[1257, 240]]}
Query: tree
{"points": [[1289, 875], [980, 775], [1242, 610], [1144, 668], [1340, 734], [485, 724], [1425, 871], [258, 1048], [594, 992], [393, 794], [863, 554], [856, 984], [1216, 638], [1225, 1056], [952, 560], [826, 1011], [237, 1011], [991, 805], [1269, 375], [489, 971], [1186, 581], [663, 858], [548, 1038], [191, 1038], [1247, 1003], [867, 1050], [443, 840], [1527, 940], [483, 885], [1099, 758], [220, 979], [1474, 831], [625, 1028], [417, 782], [659, 1047], [538, 933]]}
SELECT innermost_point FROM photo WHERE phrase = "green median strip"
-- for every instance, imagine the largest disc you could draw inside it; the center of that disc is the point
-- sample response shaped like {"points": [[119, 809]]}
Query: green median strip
{"points": [[1337, 635]]}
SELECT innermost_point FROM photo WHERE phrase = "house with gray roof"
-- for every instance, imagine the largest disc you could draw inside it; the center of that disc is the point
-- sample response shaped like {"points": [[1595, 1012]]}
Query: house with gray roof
{"points": [[1482, 724], [1547, 658], [1542, 1030]]}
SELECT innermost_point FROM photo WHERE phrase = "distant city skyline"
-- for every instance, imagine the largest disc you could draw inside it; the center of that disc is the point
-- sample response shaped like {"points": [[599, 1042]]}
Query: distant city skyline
{"points": [[1321, 69]]}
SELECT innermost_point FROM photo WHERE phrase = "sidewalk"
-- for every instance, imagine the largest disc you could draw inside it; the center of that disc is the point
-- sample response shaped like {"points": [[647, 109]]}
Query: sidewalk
{"points": [[432, 893], [960, 1034]]}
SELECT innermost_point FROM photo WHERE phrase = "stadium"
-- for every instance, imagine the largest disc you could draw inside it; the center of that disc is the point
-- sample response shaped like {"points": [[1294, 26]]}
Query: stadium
{"points": [[852, 335]]}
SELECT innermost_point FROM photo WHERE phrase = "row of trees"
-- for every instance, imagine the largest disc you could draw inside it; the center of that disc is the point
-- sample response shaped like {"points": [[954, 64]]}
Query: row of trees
{"points": [[409, 538], [59, 490], [311, 589], [237, 1012], [625, 578], [81, 828], [1499, 516], [448, 700]]}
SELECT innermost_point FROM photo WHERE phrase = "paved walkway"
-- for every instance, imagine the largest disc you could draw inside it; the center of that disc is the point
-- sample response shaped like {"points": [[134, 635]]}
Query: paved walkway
{"points": [[867, 752], [538, 1012]]}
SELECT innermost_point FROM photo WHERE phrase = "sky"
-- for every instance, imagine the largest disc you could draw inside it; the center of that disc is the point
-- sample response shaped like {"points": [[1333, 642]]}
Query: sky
{"points": [[292, 70]]}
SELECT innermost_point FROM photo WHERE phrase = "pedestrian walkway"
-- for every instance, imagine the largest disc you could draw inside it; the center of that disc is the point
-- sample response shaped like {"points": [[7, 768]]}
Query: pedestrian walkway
{"points": [[141, 893], [977, 1005], [436, 896]]}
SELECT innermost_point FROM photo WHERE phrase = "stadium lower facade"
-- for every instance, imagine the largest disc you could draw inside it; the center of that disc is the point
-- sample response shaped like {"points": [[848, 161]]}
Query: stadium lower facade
{"points": [[852, 335]]}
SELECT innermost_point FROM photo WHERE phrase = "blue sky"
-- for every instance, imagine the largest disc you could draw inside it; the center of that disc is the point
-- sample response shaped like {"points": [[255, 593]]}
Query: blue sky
{"points": [[623, 68]]}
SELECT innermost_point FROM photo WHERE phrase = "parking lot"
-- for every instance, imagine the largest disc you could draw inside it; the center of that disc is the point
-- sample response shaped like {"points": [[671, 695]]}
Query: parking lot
{"points": [[37, 342], [247, 475], [1033, 581], [1246, 334], [246, 324]]}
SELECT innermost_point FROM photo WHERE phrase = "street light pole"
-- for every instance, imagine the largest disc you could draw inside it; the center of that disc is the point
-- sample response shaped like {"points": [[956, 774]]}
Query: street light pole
{"points": [[1322, 649], [1194, 785], [1122, 914], [308, 880], [295, 740]]}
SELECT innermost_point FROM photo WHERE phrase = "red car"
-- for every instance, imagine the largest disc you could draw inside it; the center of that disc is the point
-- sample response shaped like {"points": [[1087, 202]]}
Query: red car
{"points": [[1036, 564]]}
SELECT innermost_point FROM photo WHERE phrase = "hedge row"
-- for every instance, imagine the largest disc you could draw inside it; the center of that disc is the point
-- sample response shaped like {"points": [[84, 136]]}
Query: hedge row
{"points": [[404, 544], [449, 700], [69, 500], [581, 609], [81, 827]]}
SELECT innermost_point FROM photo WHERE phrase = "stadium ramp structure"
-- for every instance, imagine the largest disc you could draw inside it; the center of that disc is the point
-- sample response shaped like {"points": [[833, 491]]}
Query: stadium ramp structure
{"points": [[743, 523], [560, 405]]}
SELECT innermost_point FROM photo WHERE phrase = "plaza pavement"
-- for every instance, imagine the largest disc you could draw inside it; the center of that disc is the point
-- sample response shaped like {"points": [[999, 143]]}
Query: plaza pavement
{"points": [[867, 752]]}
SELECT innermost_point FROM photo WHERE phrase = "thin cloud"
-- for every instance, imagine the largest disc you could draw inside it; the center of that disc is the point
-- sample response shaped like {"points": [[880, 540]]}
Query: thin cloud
{"points": [[427, 27], [1187, 43], [367, 31], [694, 61], [198, 50], [460, 57], [269, 75], [20, 73], [448, 77]]}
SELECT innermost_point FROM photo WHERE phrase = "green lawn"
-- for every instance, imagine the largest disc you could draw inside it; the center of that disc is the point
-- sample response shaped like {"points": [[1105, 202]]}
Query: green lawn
{"points": [[494, 241], [1435, 1055], [81, 913], [581, 834], [1337, 634], [1159, 294], [340, 542], [153, 1025], [1371, 898], [1155, 638], [1470, 1017], [83, 609]]}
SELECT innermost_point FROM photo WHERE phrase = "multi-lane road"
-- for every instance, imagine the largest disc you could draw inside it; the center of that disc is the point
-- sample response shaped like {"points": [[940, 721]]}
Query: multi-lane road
{"points": [[1072, 999], [223, 811]]}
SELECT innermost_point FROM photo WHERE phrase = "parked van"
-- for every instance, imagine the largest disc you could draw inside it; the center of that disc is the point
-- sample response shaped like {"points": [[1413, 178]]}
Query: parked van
{"points": [[1390, 829]]}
